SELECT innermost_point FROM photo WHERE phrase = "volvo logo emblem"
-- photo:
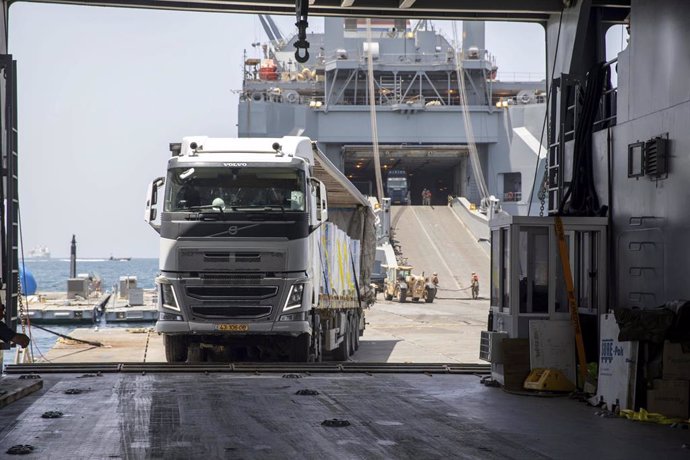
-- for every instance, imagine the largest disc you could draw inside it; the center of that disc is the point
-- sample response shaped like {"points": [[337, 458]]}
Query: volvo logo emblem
{"points": [[233, 230]]}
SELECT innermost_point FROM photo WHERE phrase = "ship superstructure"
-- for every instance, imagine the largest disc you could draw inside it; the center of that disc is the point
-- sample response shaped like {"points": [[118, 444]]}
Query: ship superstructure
{"points": [[419, 116]]}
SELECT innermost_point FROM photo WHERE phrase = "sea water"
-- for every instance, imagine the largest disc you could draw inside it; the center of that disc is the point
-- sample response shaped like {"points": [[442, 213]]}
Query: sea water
{"points": [[51, 276]]}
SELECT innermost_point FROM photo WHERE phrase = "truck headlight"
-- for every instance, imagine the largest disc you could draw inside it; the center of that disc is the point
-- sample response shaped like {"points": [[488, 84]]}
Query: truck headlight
{"points": [[168, 297], [165, 316], [294, 298]]}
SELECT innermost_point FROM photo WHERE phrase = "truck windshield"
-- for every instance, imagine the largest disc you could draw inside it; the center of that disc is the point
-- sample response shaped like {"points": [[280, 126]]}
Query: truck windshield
{"points": [[231, 189], [397, 182]]}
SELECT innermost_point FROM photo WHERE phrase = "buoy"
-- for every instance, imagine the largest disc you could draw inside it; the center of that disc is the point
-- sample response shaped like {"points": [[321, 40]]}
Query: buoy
{"points": [[29, 284]]}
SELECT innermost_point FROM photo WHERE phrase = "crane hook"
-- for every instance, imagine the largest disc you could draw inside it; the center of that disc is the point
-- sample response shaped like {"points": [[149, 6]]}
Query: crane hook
{"points": [[302, 13]]}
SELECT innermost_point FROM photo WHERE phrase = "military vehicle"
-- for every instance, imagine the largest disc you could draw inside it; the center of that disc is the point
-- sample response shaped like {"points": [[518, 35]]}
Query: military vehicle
{"points": [[402, 284]]}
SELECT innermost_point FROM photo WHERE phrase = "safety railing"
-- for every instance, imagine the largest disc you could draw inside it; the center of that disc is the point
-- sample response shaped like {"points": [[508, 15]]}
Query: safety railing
{"points": [[608, 104]]}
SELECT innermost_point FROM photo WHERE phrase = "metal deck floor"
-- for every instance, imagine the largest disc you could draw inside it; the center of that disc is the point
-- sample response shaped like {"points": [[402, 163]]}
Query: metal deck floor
{"points": [[224, 415]]}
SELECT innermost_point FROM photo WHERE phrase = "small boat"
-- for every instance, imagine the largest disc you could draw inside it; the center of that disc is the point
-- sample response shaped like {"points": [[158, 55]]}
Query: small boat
{"points": [[120, 259]]}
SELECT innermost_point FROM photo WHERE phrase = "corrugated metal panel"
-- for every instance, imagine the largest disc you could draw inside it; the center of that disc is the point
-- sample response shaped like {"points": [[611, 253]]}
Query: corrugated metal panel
{"points": [[340, 191]]}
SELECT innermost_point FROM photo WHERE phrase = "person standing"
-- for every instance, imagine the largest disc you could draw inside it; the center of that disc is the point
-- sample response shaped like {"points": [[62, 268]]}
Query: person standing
{"points": [[424, 197], [474, 280]]}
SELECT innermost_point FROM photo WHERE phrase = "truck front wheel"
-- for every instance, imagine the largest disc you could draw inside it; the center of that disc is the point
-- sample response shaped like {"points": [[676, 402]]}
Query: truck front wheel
{"points": [[316, 353], [176, 347]]}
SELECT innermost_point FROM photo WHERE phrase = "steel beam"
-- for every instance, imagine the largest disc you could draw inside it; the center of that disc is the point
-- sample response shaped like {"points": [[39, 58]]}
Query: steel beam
{"points": [[508, 10]]}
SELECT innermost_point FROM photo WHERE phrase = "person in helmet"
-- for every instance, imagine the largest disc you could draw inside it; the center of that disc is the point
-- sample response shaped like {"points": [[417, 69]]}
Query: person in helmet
{"points": [[434, 279], [474, 282]]}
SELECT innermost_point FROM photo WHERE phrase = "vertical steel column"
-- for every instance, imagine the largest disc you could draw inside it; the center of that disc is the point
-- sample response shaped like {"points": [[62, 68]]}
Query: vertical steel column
{"points": [[9, 201]]}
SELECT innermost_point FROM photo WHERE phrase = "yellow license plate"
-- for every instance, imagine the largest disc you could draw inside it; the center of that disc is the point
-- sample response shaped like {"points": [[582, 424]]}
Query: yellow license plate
{"points": [[233, 327]]}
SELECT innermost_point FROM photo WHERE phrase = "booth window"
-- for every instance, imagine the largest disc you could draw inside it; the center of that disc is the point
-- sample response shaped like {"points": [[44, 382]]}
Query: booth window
{"points": [[584, 265], [587, 252], [533, 255], [495, 268], [561, 292], [505, 274]]}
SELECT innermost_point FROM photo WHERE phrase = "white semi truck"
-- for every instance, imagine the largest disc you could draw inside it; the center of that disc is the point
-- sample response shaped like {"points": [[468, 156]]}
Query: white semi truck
{"points": [[266, 251]]}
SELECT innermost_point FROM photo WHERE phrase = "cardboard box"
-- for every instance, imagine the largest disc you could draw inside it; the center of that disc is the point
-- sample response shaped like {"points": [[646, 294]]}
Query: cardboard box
{"points": [[676, 363], [670, 398], [515, 363], [515, 351]]}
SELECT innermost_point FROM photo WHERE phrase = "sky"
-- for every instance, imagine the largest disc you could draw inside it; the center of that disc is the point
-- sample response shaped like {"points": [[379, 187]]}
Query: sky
{"points": [[103, 91]]}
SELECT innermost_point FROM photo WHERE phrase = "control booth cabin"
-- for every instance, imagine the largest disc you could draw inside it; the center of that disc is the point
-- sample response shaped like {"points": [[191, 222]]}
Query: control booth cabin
{"points": [[527, 276]]}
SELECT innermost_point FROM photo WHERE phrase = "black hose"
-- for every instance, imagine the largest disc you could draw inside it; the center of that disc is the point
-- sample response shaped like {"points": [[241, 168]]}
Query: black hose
{"points": [[580, 198], [88, 342]]}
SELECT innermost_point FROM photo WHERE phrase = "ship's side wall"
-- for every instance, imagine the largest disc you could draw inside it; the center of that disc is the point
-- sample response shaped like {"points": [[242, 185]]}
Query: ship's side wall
{"points": [[654, 99], [651, 223], [516, 153]]}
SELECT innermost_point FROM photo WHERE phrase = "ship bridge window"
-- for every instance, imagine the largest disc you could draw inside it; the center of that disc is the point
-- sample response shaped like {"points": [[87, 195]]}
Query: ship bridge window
{"points": [[512, 186], [233, 189]]}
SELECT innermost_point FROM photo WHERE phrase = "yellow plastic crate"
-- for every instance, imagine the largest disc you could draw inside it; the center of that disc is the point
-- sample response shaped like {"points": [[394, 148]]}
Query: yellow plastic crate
{"points": [[548, 380]]}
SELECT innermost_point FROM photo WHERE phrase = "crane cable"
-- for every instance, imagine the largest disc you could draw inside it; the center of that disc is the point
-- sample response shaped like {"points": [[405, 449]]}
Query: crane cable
{"points": [[372, 113], [469, 133]]}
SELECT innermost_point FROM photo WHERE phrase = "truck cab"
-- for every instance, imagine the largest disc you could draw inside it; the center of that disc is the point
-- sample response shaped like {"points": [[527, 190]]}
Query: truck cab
{"points": [[236, 219]]}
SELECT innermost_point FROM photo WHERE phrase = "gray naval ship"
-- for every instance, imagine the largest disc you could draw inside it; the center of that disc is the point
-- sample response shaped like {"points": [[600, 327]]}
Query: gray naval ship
{"points": [[421, 131]]}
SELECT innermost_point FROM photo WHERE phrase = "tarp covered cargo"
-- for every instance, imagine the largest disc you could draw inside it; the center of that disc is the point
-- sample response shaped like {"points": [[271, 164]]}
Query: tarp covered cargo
{"points": [[350, 213]]}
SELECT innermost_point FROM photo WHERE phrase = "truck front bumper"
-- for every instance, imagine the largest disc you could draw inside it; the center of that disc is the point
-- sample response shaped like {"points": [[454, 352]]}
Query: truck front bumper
{"points": [[286, 328]]}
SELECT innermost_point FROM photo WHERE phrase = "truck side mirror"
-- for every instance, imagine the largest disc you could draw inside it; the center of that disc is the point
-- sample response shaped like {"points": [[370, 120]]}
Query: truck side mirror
{"points": [[151, 214], [323, 217], [321, 200]]}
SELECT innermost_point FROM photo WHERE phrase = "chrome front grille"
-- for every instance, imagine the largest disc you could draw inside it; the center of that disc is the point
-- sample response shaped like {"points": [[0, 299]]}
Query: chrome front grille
{"points": [[225, 292], [231, 311], [236, 257], [230, 279]]}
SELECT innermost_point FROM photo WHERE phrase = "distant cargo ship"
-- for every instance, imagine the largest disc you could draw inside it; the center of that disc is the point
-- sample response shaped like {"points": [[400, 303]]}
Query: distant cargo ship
{"points": [[39, 252]]}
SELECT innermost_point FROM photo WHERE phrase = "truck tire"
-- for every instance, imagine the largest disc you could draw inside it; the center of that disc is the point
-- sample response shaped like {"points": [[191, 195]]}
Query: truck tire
{"points": [[355, 332], [343, 351], [300, 348], [402, 297], [388, 296], [316, 354], [430, 295], [176, 348]]}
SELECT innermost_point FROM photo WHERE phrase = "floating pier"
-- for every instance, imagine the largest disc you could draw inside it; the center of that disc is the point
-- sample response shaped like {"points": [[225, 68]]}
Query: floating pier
{"points": [[57, 308], [138, 305]]}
